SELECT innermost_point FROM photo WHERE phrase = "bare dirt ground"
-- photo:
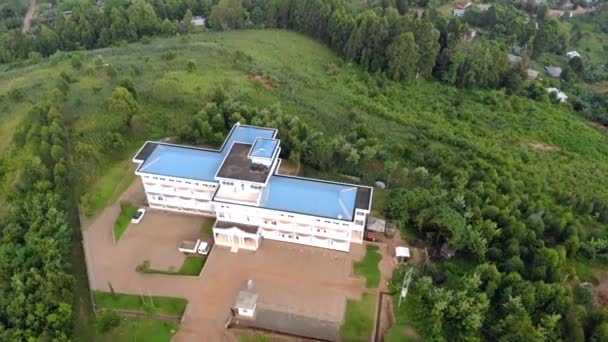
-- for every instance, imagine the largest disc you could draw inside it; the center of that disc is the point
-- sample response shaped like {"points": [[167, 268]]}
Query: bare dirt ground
{"points": [[601, 290], [386, 319], [543, 147], [580, 10], [265, 81], [295, 279], [29, 16]]}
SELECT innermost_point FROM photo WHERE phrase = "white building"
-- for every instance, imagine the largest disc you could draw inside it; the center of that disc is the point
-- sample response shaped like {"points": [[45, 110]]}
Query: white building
{"points": [[198, 21], [560, 95], [572, 54], [240, 185]]}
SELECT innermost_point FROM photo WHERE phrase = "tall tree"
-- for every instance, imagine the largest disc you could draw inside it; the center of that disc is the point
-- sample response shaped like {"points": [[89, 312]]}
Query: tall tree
{"points": [[402, 57], [227, 14]]}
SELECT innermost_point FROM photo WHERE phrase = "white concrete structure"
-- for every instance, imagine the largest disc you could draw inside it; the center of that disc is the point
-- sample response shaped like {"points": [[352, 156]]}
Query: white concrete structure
{"points": [[240, 185], [561, 96], [572, 54], [198, 21]]}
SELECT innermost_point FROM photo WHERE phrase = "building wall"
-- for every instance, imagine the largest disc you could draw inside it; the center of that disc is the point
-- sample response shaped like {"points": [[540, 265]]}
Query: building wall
{"points": [[192, 196], [296, 228]]}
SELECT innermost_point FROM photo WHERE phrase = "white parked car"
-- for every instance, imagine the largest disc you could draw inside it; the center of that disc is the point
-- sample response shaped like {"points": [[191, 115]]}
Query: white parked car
{"points": [[138, 216], [194, 247]]}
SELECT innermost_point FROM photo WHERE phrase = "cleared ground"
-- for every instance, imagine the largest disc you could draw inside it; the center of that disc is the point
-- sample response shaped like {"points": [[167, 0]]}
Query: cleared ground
{"points": [[290, 278]]}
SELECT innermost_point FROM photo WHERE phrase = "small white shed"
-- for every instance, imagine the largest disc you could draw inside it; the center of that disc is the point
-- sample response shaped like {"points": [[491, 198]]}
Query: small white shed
{"points": [[402, 253], [246, 303]]}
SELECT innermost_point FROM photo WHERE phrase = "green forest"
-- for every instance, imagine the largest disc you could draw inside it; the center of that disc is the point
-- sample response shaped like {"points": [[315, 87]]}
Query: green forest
{"points": [[475, 155]]}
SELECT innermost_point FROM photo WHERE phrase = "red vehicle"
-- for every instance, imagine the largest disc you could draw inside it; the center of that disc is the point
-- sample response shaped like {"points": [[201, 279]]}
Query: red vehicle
{"points": [[370, 236]]}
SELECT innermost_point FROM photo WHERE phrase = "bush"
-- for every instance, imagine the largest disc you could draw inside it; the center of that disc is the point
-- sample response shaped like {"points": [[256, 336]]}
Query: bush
{"points": [[191, 65], [107, 321], [16, 94], [169, 55]]}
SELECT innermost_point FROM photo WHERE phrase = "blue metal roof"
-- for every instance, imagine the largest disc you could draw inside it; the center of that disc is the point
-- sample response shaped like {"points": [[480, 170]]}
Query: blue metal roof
{"points": [[264, 148], [310, 197], [183, 162], [195, 163], [247, 135]]}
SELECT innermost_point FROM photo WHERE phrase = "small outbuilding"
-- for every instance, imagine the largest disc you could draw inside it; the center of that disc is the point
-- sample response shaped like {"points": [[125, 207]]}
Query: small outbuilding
{"points": [[513, 59], [458, 12], [554, 71], [560, 95], [198, 21], [402, 254], [246, 303], [376, 224], [572, 54], [532, 74]]}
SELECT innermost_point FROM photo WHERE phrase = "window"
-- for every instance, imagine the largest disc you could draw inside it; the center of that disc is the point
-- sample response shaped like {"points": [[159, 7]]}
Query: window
{"points": [[359, 222], [162, 179], [171, 180], [360, 213], [146, 177], [257, 187], [155, 177], [188, 183], [160, 198], [220, 215], [290, 216]]}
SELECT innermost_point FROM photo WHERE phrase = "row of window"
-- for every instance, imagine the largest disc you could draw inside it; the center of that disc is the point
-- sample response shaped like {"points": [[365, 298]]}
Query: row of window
{"points": [[179, 181]]}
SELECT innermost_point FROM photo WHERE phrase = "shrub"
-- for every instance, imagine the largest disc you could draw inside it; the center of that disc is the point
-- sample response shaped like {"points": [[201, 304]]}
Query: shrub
{"points": [[169, 55], [107, 321], [76, 61], [16, 94], [191, 65]]}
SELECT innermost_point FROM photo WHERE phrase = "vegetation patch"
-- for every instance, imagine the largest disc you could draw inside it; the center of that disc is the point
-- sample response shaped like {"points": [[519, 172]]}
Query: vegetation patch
{"points": [[140, 329], [127, 211], [192, 266], [265, 81], [113, 182], [359, 319], [207, 227], [380, 196], [368, 267], [146, 304]]}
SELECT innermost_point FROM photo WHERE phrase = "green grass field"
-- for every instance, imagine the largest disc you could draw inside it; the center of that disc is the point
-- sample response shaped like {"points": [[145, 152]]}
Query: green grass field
{"points": [[124, 218], [157, 305], [359, 319], [145, 329], [192, 266], [368, 267]]}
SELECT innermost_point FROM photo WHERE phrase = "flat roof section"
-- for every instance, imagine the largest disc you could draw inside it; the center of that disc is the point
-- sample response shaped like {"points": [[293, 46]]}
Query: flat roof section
{"points": [[264, 148], [145, 151], [310, 197], [247, 134], [239, 167], [364, 195], [182, 162]]}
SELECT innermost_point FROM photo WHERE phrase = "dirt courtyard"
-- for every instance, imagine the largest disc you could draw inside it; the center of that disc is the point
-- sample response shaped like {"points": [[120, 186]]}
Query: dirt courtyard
{"points": [[291, 278]]}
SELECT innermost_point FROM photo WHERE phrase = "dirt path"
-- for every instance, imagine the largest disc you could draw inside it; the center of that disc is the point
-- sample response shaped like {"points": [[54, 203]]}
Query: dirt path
{"points": [[580, 10], [29, 16]]}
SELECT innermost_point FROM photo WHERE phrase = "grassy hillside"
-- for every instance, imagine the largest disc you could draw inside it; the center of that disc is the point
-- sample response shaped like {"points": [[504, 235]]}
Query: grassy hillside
{"points": [[264, 68]]}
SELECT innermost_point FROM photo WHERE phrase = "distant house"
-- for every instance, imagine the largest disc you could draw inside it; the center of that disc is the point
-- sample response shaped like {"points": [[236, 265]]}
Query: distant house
{"points": [[587, 3], [554, 71], [513, 59], [560, 95], [446, 251], [464, 4], [572, 54], [66, 14], [198, 21], [483, 7], [458, 12], [532, 74], [567, 5]]}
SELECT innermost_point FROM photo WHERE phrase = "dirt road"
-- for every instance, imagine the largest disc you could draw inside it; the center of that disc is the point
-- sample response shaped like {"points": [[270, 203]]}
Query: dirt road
{"points": [[29, 16]]}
